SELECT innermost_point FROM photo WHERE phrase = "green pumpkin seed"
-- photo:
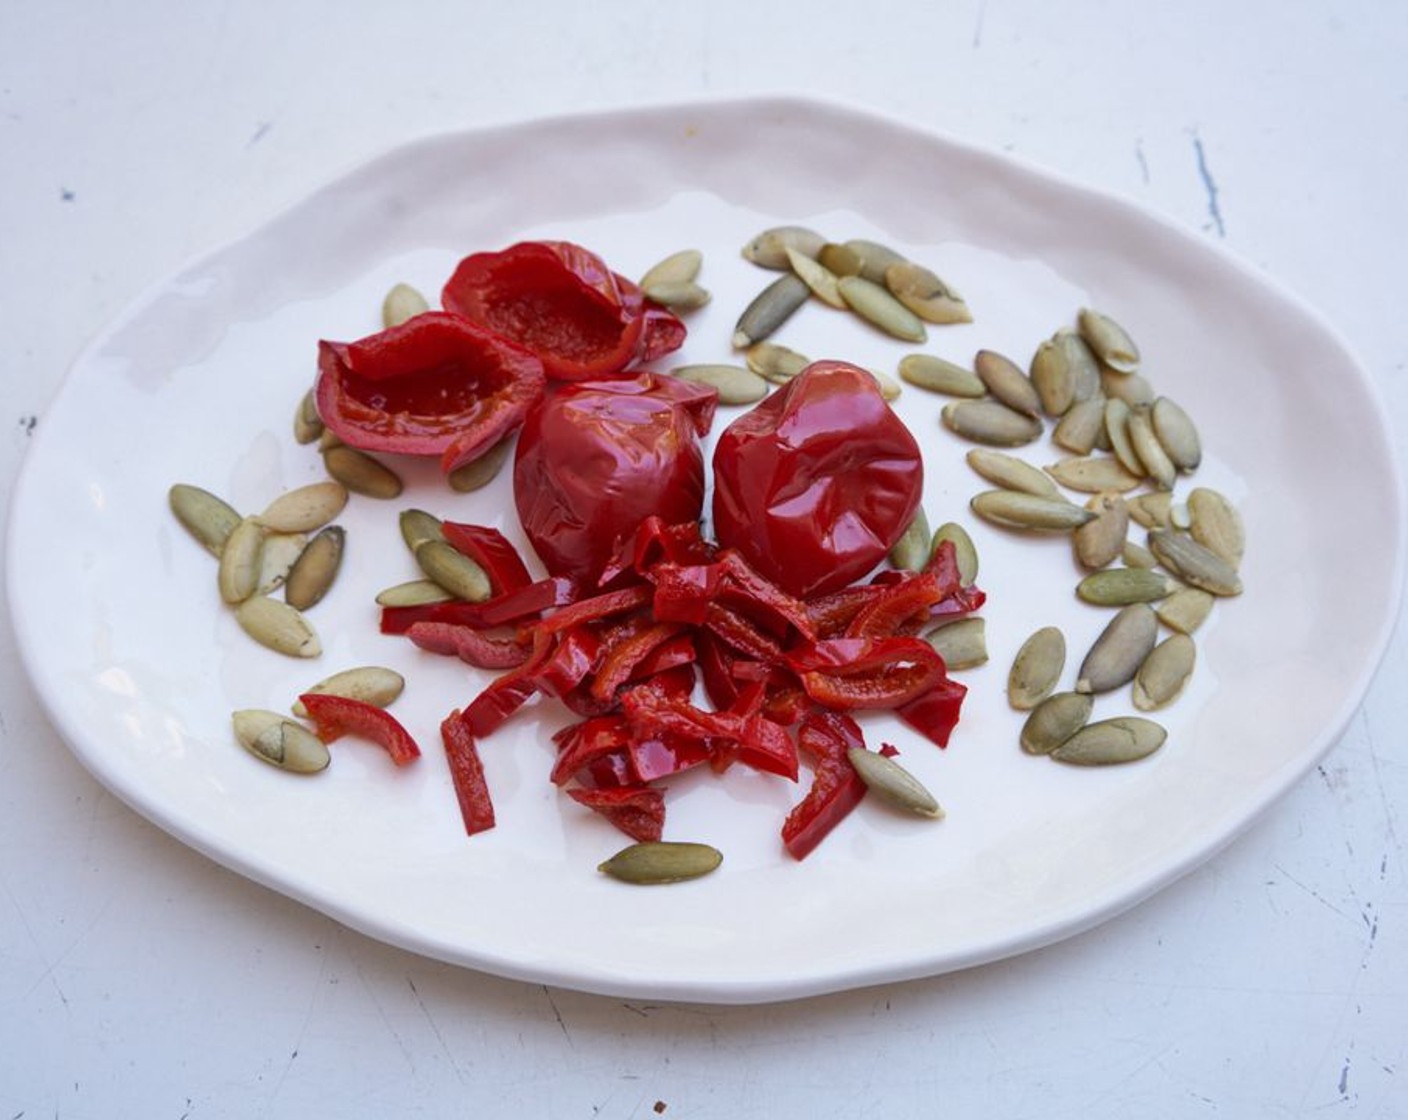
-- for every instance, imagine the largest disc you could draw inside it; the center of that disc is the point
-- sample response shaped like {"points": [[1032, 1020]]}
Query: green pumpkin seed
{"points": [[770, 308], [414, 593], [1120, 649], [316, 568], [417, 526], [889, 388], [1186, 609], [1135, 555], [1082, 428], [873, 258], [1117, 432], [820, 279], [965, 553], [769, 248], [1054, 720], [1194, 563], [962, 643], [912, 551], [1064, 371], [879, 308], [1119, 587], [990, 422], [304, 509], [941, 376], [210, 520], [1112, 741], [402, 303], [360, 473], [1150, 452], [240, 563], [1006, 381], [661, 861], [478, 473], [893, 784], [307, 424], [370, 684], [453, 570], [678, 268], [1132, 388], [1013, 509], [1165, 673], [1093, 474], [277, 558], [1175, 432], [277, 626], [1100, 541], [1037, 668], [774, 362], [735, 384], [839, 259], [1153, 510], [279, 741], [1012, 473], [1110, 341], [925, 294], [684, 295], [1216, 524]]}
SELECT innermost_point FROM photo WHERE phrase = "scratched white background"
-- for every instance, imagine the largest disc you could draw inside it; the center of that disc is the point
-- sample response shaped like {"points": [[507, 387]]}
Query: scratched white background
{"points": [[139, 979]]}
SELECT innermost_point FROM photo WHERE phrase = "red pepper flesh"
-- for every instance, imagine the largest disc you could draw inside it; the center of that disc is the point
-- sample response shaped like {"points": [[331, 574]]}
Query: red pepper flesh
{"points": [[467, 775], [335, 716]]}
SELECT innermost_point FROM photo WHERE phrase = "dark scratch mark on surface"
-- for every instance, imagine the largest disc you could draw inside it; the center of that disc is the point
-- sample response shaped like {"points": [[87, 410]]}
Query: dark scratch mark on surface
{"points": [[1143, 162], [1344, 1079], [558, 1014], [28, 424], [66, 195], [261, 130], [978, 27], [1209, 186]]}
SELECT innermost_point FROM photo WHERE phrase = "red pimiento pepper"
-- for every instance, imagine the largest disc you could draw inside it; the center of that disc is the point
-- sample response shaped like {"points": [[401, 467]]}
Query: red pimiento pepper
{"points": [[335, 716], [513, 606], [471, 646], [638, 811], [847, 674], [836, 788], [434, 385], [815, 483], [935, 714], [595, 459], [467, 775], [563, 303]]}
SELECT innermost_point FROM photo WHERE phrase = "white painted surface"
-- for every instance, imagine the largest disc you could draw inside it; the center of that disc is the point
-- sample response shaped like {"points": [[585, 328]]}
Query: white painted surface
{"points": [[138, 978]]}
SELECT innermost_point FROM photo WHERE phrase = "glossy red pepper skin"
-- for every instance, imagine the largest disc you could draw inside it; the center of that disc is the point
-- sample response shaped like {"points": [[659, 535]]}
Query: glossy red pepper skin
{"points": [[815, 483], [437, 385], [638, 811], [836, 788], [849, 674], [492, 551], [467, 775], [596, 459], [336, 716]]}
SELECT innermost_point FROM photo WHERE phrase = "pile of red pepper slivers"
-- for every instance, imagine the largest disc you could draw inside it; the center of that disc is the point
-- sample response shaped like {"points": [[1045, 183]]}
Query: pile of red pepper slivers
{"points": [[672, 651]]}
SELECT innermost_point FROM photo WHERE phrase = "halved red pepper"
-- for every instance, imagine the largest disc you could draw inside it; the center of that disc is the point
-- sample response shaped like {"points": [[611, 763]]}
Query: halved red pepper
{"points": [[335, 716], [467, 775], [435, 385]]}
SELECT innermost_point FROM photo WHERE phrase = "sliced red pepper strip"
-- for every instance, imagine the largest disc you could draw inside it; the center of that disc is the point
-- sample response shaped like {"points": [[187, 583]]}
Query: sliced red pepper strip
{"points": [[514, 606], [742, 634], [624, 658], [492, 551], [505, 694], [762, 600], [468, 644], [935, 714], [638, 811], [867, 673], [662, 331], [716, 665], [836, 788], [597, 607], [899, 607], [581, 745], [572, 659], [335, 716], [467, 775]]}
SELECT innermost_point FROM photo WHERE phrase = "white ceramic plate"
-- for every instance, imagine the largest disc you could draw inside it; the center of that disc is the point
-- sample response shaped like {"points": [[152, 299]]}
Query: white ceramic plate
{"points": [[122, 631]]}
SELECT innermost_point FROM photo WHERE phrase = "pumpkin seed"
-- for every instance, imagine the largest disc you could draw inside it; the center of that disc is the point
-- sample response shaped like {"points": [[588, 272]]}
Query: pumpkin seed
{"points": [[1100, 541], [962, 643], [1216, 524], [678, 268], [1165, 673], [277, 558], [735, 384], [1064, 371], [279, 741], [1093, 474], [1175, 431], [774, 362], [1179, 517], [278, 626], [889, 388], [840, 260], [912, 551], [1112, 741], [304, 509], [1186, 609], [1054, 720], [307, 424], [1118, 587], [683, 295], [965, 553], [1013, 509], [820, 279], [1082, 427], [370, 684], [893, 784], [1150, 452], [769, 248], [1135, 555], [990, 422], [209, 519], [941, 376], [453, 570], [874, 258], [238, 575], [1194, 563], [1006, 381], [315, 569], [1036, 668], [1132, 388], [402, 302], [1012, 473], [360, 473], [879, 308], [1152, 510], [661, 861], [417, 526], [478, 473], [414, 593], [925, 294], [1117, 432], [1109, 341], [1120, 649], [770, 308]]}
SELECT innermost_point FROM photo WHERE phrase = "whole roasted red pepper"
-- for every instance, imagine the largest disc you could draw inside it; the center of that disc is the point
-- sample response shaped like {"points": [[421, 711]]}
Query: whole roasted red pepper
{"points": [[435, 385], [815, 483]]}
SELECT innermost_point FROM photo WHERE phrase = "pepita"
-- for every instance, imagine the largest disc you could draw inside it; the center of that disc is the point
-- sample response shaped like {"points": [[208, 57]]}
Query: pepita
{"points": [[678, 268], [1037, 668], [304, 509], [402, 303], [1117, 432], [1112, 741], [1152, 510], [912, 551], [238, 575], [1194, 562], [839, 259], [941, 376], [277, 626], [990, 422], [277, 557], [279, 741], [360, 473], [889, 388], [1093, 474], [661, 861], [1011, 473], [1175, 431], [1132, 388], [478, 473], [1100, 541], [769, 248], [210, 520], [1006, 381], [820, 279], [682, 295], [1120, 649], [1135, 555], [413, 593], [770, 308], [1147, 448], [1109, 341], [874, 258], [1186, 609], [962, 643], [1216, 524], [307, 424], [417, 526], [1165, 673], [877, 306], [965, 553], [1013, 509], [1119, 587], [453, 570], [775, 362], [735, 384], [315, 569], [370, 684], [1054, 720], [1082, 429], [924, 293], [893, 784], [1064, 371]]}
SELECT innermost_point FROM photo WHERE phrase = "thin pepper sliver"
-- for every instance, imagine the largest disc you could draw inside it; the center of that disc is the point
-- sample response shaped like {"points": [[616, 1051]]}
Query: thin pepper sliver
{"points": [[336, 716], [467, 774]]}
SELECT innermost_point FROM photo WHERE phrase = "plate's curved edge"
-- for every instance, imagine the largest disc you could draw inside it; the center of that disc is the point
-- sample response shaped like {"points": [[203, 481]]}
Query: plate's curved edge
{"points": [[745, 992]]}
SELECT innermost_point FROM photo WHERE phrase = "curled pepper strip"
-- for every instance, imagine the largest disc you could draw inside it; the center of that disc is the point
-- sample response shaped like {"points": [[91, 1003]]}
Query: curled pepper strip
{"points": [[492, 551], [847, 674], [836, 788], [336, 716], [468, 644]]}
